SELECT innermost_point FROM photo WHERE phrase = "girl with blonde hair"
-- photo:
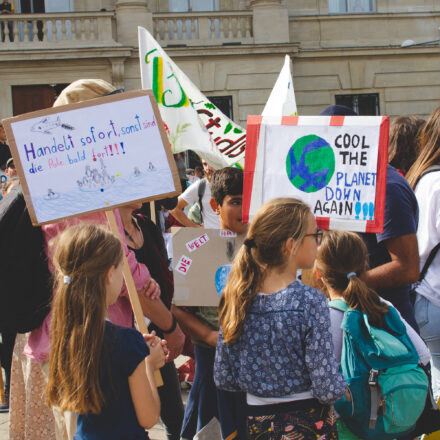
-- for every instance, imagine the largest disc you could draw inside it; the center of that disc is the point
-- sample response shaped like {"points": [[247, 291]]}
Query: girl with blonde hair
{"points": [[101, 371], [274, 342]]}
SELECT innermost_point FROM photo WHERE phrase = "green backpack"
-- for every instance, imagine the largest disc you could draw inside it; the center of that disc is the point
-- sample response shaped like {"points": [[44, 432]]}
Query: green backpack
{"points": [[387, 388]]}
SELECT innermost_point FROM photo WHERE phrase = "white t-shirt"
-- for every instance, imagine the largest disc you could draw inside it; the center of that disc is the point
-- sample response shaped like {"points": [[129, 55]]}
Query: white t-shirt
{"points": [[428, 233], [191, 195]]}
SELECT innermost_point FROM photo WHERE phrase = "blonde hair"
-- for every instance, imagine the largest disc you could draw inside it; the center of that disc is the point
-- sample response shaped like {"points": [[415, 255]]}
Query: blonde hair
{"points": [[273, 224], [84, 254], [343, 252], [429, 153]]}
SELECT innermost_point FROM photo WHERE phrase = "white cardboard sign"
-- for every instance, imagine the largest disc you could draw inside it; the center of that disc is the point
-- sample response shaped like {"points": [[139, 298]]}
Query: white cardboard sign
{"points": [[90, 156]]}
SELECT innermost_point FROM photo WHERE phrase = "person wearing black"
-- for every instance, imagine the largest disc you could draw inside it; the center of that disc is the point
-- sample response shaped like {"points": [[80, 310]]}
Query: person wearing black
{"points": [[5, 153], [7, 8], [146, 241]]}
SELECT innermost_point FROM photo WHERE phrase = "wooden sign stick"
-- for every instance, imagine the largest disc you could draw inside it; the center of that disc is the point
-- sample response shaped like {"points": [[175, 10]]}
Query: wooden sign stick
{"points": [[132, 291], [2, 388]]}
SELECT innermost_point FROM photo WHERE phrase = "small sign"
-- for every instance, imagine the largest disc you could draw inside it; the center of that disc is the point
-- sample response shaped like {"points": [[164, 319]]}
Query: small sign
{"points": [[227, 234], [183, 265], [193, 245], [210, 265]]}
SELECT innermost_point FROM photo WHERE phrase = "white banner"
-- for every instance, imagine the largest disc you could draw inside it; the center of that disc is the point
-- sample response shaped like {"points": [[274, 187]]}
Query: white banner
{"points": [[192, 121], [282, 101]]}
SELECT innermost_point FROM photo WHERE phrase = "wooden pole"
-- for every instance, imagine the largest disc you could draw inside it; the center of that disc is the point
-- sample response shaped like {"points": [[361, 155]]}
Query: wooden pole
{"points": [[152, 212], [2, 387], [132, 291]]}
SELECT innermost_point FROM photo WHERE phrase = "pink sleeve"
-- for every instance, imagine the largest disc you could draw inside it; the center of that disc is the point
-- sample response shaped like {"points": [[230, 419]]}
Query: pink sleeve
{"points": [[119, 313], [139, 271]]}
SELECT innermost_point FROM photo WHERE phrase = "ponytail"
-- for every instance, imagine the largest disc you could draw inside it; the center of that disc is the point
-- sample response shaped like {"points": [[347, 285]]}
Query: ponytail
{"points": [[242, 287], [274, 223], [359, 296], [341, 260]]}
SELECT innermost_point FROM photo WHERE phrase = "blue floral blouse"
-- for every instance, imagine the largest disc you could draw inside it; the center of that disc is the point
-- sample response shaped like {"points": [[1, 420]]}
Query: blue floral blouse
{"points": [[285, 348]]}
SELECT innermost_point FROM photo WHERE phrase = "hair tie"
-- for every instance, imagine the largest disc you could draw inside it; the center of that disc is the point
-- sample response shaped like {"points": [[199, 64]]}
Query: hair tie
{"points": [[249, 243], [66, 279], [351, 274]]}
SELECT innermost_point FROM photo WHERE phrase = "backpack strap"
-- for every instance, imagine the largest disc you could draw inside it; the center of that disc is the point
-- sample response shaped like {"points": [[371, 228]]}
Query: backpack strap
{"points": [[375, 396], [338, 304], [201, 193], [428, 261]]}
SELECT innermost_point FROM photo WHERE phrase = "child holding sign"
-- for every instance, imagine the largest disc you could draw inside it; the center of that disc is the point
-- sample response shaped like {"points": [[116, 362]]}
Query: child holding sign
{"points": [[97, 369], [274, 341]]}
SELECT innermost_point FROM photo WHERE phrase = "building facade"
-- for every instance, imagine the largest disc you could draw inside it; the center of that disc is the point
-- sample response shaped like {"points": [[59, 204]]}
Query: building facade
{"points": [[379, 56]]}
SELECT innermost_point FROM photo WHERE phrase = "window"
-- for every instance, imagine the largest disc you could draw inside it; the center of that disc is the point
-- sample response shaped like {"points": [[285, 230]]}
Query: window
{"points": [[364, 105], [192, 6], [351, 6], [224, 104]]}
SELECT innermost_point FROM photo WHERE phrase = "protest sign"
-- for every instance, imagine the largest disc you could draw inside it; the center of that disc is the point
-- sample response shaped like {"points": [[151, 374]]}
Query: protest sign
{"points": [[192, 121], [337, 165], [91, 156], [202, 260]]}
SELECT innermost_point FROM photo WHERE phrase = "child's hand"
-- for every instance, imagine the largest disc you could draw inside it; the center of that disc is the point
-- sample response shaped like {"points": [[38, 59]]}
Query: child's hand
{"points": [[158, 352]]}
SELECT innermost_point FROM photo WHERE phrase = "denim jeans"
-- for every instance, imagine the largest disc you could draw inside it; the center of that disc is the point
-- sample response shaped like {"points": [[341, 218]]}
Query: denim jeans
{"points": [[428, 319], [171, 405], [201, 405]]}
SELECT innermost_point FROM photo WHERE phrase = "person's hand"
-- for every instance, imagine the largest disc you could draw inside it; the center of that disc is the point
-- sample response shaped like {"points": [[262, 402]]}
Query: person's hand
{"points": [[212, 337], [156, 358], [174, 341], [151, 289]]}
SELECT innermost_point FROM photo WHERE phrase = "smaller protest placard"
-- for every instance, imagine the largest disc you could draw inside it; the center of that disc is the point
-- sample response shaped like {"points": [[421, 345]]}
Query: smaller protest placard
{"points": [[91, 156], [199, 278], [336, 164]]}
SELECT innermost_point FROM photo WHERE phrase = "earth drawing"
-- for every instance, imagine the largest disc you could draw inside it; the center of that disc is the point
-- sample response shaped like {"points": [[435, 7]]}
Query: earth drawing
{"points": [[310, 163]]}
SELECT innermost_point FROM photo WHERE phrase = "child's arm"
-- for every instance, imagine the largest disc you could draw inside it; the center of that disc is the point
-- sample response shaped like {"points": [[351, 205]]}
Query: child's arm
{"points": [[194, 327], [143, 387]]}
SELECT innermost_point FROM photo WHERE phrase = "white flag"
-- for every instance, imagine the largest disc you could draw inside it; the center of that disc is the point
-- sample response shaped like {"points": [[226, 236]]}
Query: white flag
{"points": [[282, 101], [192, 121]]}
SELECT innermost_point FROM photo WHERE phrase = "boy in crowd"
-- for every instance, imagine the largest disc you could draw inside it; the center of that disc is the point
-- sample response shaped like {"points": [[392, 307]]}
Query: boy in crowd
{"points": [[200, 192], [202, 406]]}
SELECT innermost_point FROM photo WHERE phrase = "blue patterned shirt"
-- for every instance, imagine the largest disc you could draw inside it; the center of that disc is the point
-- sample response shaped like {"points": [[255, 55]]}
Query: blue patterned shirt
{"points": [[285, 348]]}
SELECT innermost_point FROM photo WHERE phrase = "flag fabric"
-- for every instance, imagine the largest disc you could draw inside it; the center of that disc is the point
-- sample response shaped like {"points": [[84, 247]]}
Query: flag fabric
{"points": [[192, 122], [282, 101]]}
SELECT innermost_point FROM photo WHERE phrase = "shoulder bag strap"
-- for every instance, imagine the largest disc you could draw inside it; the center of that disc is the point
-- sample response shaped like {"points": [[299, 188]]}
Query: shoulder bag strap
{"points": [[201, 192], [428, 262]]}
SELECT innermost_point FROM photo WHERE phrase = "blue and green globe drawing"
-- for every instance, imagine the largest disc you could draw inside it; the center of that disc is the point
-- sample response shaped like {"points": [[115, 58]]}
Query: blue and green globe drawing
{"points": [[310, 163]]}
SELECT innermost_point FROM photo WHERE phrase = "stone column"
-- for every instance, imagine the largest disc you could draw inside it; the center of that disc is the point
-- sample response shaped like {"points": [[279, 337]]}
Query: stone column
{"points": [[270, 22], [129, 15]]}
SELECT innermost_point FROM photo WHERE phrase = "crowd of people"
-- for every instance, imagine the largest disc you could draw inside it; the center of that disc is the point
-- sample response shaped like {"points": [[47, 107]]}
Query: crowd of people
{"points": [[276, 359]]}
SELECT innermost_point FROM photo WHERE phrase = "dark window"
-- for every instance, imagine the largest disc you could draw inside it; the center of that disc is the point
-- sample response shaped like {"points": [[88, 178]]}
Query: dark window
{"points": [[224, 104], [351, 6], [364, 105]]}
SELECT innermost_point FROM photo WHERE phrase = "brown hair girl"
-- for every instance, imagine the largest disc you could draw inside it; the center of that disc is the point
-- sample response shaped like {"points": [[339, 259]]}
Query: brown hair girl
{"points": [[274, 223], [341, 260], [403, 147], [82, 260], [429, 154]]}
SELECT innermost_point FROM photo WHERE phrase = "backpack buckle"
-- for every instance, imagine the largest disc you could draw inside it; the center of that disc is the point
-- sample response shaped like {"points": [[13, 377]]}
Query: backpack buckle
{"points": [[373, 376]]}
